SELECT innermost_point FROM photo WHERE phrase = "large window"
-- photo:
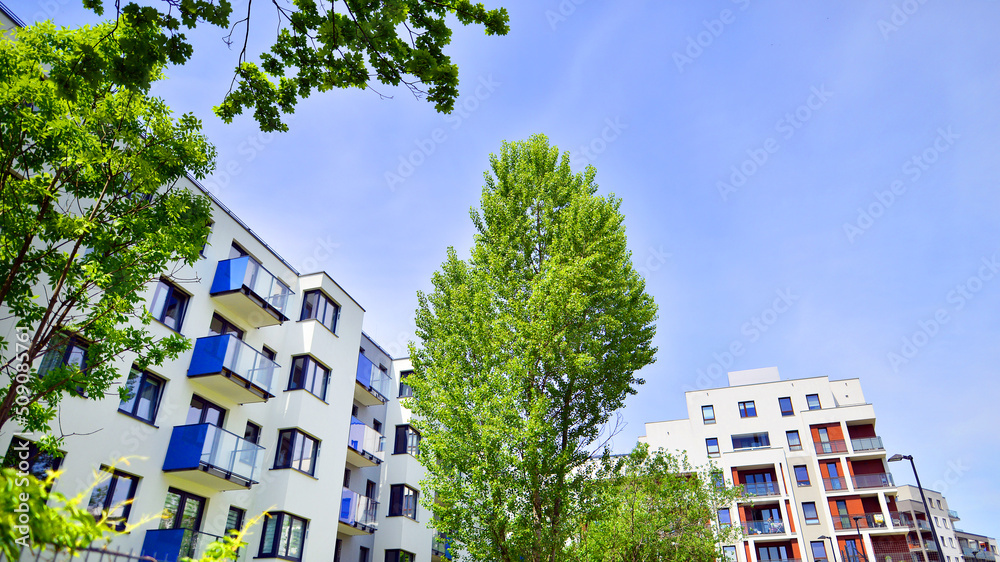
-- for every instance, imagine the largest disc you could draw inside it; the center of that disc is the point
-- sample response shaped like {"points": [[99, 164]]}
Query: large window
{"points": [[812, 400], [809, 511], [396, 555], [402, 501], [169, 305], [144, 391], [113, 496], [284, 536], [751, 441], [296, 450], [64, 349], [407, 441], [794, 443], [748, 410], [802, 475], [818, 550], [404, 389], [317, 306], [25, 456], [309, 375], [785, 404], [708, 414], [712, 444]]}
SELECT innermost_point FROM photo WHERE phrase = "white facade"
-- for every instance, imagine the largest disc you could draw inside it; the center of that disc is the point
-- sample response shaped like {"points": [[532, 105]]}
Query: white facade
{"points": [[315, 425]]}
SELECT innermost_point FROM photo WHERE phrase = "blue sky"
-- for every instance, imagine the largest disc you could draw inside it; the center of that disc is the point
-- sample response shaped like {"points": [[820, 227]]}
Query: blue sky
{"points": [[827, 169]]}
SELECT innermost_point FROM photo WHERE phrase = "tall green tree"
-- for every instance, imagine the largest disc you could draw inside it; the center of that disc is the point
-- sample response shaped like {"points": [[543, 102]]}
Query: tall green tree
{"points": [[319, 45], [527, 348], [652, 507], [90, 212]]}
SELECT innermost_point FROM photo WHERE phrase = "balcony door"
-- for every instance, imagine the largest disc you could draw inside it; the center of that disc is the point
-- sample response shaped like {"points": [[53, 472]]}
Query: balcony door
{"points": [[824, 439], [220, 327], [203, 411], [772, 553], [760, 484], [834, 472], [845, 517], [184, 510]]}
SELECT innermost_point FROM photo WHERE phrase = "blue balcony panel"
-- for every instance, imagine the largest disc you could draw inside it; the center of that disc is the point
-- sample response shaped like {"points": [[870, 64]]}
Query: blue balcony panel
{"points": [[244, 286], [358, 514], [365, 446], [231, 367], [170, 545], [213, 457], [372, 386]]}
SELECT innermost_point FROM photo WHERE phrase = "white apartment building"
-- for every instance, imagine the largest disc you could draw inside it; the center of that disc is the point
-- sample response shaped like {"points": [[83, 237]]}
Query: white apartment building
{"points": [[814, 468], [283, 405], [976, 547], [920, 538]]}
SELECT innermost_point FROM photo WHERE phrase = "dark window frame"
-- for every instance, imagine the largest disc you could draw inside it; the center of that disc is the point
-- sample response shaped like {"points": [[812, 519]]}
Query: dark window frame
{"points": [[399, 555], [708, 420], [274, 523], [207, 405], [748, 409], [404, 446], [405, 390], [791, 447], [708, 446], [790, 411], [814, 520], [319, 306], [309, 372], [399, 503], [33, 457], [799, 481], [118, 523], [297, 444], [143, 376], [179, 297], [819, 405], [227, 327]]}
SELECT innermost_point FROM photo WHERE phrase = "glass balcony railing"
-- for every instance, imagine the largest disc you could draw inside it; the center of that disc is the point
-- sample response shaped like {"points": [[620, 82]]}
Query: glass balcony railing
{"points": [[366, 441], [358, 511], [256, 290], [214, 456], [881, 480], [953, 514], [867, 444], [866, 521], [756, 489], [170, 545], [923, 525], [441, 546], [763, 527], [374, 380], [834, 484], [831, 447], [235, 360]]}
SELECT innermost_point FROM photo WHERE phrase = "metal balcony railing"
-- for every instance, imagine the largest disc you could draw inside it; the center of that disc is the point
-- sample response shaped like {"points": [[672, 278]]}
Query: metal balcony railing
{"points": [[357, 510], [875, 520], [867, 444], [208, 449], [247, 276], [374, 380], [759, 489], [233, 358], [365, 440], [881, 480], [763, 527], [834, 484], [171, 545], [836, 446]]}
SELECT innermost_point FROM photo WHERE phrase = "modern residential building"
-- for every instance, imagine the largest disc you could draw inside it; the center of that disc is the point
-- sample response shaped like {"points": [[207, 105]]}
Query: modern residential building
{"points": [[976, 547], [283, 405], [810, 459], [920, 538]]}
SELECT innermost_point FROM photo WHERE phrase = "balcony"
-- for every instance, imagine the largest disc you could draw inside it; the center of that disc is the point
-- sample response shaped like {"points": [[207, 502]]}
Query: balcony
{"points": [[969, 554], [760, 489], [953, 515], [372, 386], [835, 447], [364, 445], [867, 521], [170, 545], [231, 367], [865, 444], [440, 548], [763, 527], [211, 456], [357, 514], [881, 480], [923, 525], [835, 484], [243, 285]]}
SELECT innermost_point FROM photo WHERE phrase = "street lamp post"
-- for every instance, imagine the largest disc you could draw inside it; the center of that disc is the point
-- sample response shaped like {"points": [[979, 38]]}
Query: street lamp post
{"points": [[833, 547], [861, 541], [927, 510]]}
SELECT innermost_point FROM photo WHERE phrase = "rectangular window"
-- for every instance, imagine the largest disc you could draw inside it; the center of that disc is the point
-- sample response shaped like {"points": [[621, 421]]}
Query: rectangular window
{"points": [[718, 479], [182, 510], [113, 497], [144, 391], [809, 510], [284, 536], [818, 550], [396, 555], [729, 553], [802, 475], [407, 441], [403, 501], [234, 521], [169, 305], [296, 450], [708, 414], [812, 400], [751, 441], [39, 463], [307, 374], [203, 411], [793, 440], [64, 350], [724, 518], [221, 327], [748, 410], [363, 555], [404, 389], [347, 478], [252, 433], [318, 306], [712, 444], [786, 406]]}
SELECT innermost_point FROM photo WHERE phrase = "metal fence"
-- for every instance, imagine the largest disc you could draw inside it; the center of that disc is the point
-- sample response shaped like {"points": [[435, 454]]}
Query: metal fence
{"points": [[83, 554]]}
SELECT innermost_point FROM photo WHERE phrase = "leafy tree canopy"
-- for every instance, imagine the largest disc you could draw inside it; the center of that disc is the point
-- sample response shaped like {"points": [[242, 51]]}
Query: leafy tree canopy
{"points": [[527, 348]]}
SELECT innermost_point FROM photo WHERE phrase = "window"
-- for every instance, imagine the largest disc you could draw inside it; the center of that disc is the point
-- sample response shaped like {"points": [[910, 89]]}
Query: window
{"points": [[64, 349], [363, 554], [169, 305], [252, 433], [708, 414], [809, 510], [236, 251], [407, 441], [25, 456], [718, 479], [144, 391], [234, 521], [317, 306], [939, 504], [404, 389], [724, 518], [220, 327], [712, 444], [812, 400], [802, 475], [793, 440], [208, 238], [112, 496], [751, 441], [818, 550], [284, 536], [309, 375], [347, 478], [729, 553], [183, 510], [203, 411], [296, 450], [402, 501], [748, 410], [396, 555], [786, 406], [336, 551]]}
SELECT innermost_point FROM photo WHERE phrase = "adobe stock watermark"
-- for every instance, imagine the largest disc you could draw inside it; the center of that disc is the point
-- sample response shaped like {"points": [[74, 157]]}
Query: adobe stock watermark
{"points": [[751, 331], [958, 298], [425, 147], [699, 42], [900, 16], [589, 152], [563, 11], [786, 127], [913, 168], [22, 513]]}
